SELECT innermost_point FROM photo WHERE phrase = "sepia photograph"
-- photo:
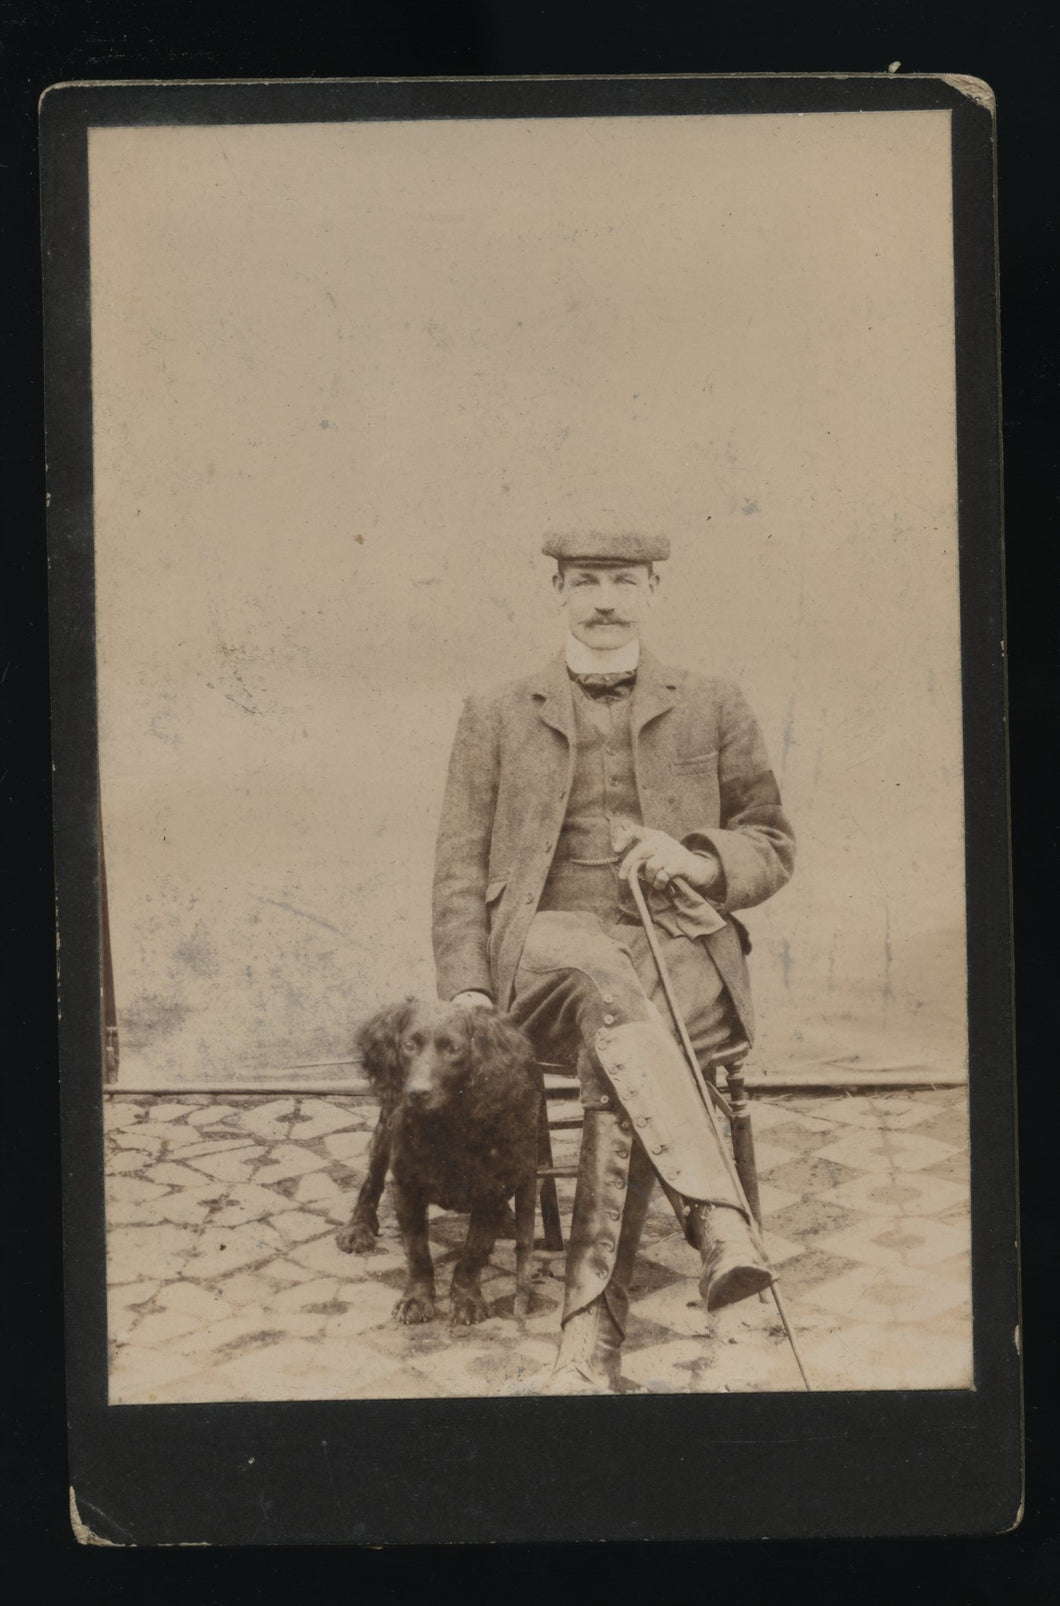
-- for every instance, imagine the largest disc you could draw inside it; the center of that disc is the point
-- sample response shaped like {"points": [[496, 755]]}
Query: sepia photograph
{"points": [[530, 756], [404, 434]]}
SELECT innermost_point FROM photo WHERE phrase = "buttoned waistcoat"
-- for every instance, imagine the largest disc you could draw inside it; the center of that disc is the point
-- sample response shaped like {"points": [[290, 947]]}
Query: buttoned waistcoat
{"points": [[702, 775]]}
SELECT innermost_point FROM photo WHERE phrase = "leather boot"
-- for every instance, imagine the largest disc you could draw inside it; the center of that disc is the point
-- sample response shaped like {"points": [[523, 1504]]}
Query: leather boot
{"points": [[734, 1264], [615, 1181], [639, 1186], [589, 1353]]}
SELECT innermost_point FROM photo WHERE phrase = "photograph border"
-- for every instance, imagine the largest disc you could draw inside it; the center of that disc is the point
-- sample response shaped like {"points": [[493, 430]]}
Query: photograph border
{"points": [[465, 1470]]}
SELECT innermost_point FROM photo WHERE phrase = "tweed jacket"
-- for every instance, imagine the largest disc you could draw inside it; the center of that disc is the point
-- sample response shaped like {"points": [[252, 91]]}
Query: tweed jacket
{"points": [[702, 775]]}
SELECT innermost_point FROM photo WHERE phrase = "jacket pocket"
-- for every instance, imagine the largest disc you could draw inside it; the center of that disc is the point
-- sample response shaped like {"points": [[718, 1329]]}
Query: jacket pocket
{"points": [[696, 761]]}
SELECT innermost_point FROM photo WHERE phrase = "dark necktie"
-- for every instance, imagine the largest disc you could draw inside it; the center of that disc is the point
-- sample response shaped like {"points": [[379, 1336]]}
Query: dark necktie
{"points": [[606, 688]]}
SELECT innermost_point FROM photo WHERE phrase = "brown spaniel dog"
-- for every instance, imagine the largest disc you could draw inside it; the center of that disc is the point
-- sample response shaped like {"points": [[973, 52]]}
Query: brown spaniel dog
{"points": [[457, 1127]]}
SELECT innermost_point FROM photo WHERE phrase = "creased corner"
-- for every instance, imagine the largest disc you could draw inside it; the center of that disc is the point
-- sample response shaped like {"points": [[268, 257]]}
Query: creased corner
{"points": [[82, 1532], [976, 89], [1018, 1518]]}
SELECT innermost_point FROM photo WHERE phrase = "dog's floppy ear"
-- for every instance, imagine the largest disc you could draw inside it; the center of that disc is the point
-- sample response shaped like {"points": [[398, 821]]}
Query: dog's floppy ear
{"points": [[500, 1052], [378, 1042]]}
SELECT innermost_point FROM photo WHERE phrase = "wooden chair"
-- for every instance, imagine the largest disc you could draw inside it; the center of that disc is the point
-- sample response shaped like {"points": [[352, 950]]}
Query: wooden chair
{"points": [[558, 1087]]}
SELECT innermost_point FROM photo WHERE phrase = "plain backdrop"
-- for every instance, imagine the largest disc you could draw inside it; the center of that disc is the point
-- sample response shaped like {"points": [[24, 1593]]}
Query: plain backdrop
{"points": [[346, 376]]}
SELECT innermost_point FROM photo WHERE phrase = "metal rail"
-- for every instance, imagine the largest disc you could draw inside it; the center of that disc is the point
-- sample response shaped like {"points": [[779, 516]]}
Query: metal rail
{"points": [[763, 1082]]}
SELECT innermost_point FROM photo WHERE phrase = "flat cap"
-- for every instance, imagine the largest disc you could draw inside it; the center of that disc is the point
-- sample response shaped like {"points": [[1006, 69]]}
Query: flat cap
{"points": [[596, 546]]}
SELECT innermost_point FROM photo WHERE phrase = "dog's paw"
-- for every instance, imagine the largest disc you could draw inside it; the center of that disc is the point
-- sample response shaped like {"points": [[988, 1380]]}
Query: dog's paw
{"points": [[356, 1238], [414, 1309], [466, 1308]]}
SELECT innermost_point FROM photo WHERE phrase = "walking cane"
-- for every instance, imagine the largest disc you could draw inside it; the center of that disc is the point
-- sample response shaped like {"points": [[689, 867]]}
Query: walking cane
{"points": [[693, 1063]]}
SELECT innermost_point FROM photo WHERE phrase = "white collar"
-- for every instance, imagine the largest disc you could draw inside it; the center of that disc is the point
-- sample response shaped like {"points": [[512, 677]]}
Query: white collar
{"points": [[583, 660]]}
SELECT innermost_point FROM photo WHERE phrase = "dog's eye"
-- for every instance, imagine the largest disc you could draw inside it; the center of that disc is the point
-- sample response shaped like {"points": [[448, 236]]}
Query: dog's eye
{"points": [[411, 1044]]}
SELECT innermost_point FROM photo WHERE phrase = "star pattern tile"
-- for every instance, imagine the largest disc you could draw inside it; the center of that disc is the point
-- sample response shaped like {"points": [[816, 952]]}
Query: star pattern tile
{"points": [[911, 1193], [226, 1282], [887, 1150], [886, 1294], [810, 1175], [954, 1168], [898, 1241], [798, 1137], [888, 1112]]}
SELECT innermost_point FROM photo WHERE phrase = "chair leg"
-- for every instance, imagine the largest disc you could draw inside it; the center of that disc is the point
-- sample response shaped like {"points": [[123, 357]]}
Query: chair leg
{"points": [[550, 1220], [743, 1143], [687, 1219]]}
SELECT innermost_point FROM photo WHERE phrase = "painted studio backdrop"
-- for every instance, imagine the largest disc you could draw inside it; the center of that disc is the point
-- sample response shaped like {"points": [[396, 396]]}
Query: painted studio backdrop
{"points": [[345, 376]]}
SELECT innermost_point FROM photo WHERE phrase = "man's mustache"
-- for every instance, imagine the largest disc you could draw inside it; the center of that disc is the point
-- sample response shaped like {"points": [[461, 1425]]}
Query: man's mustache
{"points": [[607, 619]]}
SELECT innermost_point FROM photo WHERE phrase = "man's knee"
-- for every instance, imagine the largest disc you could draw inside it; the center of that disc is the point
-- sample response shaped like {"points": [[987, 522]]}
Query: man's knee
{"points": [[588, 980], [558, 942]]}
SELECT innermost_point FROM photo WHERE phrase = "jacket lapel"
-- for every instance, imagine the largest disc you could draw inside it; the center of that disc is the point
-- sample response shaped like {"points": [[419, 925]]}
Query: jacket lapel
{"points": [[556, 700], [654, 693]]}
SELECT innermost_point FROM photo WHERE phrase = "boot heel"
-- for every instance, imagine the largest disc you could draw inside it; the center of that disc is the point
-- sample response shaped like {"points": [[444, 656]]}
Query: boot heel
{"points": [[734, 1267], [730, 1287]]}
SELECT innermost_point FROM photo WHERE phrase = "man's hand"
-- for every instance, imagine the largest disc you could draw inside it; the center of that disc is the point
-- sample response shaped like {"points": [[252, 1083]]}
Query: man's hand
{"points": [[661, 859], [473, 1000]]}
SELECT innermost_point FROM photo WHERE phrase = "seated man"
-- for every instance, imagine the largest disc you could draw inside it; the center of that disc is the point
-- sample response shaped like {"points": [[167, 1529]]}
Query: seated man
{"points": [[559, 786]]}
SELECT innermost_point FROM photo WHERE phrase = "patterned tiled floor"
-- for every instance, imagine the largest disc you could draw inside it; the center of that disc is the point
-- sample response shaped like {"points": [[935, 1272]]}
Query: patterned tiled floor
{"points": [[225, 1281]]}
